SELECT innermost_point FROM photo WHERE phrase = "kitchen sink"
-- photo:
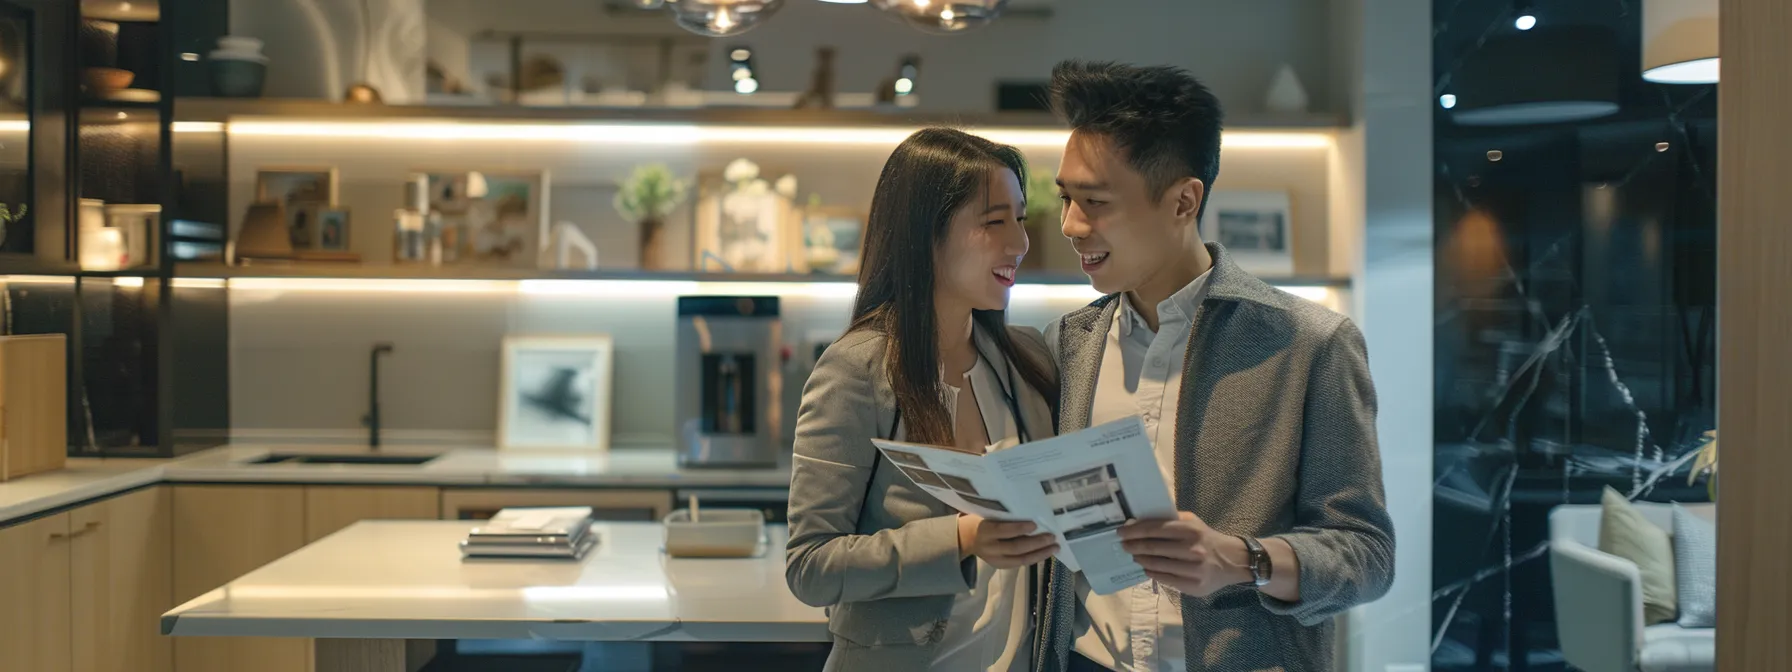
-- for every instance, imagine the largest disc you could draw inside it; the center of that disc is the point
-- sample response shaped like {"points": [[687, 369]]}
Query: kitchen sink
{"points": [[313, 458]]}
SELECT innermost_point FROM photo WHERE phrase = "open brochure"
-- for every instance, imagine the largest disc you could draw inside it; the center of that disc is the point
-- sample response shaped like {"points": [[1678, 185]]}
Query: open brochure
{"points": [[1081, 487]]}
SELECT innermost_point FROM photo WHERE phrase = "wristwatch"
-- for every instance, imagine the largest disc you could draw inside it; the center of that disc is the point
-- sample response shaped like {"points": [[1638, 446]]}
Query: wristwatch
{"points": [[1261, 570]]}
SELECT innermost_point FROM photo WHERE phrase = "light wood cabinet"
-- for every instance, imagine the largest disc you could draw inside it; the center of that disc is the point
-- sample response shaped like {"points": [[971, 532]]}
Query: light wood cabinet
{"points": [[329, 508], [122, 565], [482, 503], [35, 624], [220, 534]]}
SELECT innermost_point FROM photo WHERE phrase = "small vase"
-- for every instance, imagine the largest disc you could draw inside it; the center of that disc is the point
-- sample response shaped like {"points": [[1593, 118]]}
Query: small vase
{"points": [[653, 236]]}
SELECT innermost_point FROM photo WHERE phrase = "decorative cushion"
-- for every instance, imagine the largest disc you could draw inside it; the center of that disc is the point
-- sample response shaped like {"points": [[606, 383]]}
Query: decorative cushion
{"points": [[1695, 569], [1624, 532]]}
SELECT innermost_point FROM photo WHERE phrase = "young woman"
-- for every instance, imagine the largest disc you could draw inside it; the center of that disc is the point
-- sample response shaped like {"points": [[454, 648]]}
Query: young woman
{"points": [[913, 585]]}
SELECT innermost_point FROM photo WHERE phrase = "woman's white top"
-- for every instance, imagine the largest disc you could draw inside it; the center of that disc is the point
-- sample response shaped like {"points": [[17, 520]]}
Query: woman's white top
{"points": [[989, 627]]}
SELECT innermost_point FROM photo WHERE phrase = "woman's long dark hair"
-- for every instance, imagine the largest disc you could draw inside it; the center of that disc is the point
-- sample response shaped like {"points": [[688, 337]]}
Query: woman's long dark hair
{"points": [[929, 177]]}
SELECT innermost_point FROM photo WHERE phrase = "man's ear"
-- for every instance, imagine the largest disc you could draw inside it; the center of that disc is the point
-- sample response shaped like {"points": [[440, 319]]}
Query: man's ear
{"points": [[1190, 193]]}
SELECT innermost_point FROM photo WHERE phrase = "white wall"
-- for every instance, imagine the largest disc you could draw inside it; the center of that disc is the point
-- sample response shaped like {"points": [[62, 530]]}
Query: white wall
{"points": [[1383, 185], [314, 45]]}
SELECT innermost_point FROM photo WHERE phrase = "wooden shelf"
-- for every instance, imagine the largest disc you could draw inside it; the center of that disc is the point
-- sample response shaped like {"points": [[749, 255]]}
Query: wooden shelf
{"points": [[423, 272], [225, 109]]}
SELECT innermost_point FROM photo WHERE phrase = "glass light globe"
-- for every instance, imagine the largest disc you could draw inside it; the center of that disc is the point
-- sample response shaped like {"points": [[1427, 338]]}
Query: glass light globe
{"points": [[943, 16], [720, 18]]}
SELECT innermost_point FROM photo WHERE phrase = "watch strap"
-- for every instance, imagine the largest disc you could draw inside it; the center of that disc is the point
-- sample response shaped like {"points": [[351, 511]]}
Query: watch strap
{"points": [[1258, 562]]}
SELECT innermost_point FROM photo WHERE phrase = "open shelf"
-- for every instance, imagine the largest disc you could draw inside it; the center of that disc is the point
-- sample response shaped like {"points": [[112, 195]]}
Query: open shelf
{"points": [[424, 272], [224, 109]]}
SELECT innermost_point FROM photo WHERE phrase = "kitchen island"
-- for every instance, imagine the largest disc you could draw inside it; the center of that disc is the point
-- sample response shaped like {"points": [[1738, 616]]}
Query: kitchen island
{"points": [[376, 594]]}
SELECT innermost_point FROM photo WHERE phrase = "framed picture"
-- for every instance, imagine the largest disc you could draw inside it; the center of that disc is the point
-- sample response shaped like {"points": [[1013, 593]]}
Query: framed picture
{"points": [[287, 185], [1255, 227], [745, 230], [491, 217], [833, 238], [332, 229], [554, 393]]}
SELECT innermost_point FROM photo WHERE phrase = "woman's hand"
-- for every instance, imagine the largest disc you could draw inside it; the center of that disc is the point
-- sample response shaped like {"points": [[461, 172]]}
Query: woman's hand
{"points": [[1003, 544]]}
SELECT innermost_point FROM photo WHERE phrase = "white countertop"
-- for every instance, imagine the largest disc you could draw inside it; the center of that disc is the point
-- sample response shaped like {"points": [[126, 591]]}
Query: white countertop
{"points": [[406, 580], [92, 478]]}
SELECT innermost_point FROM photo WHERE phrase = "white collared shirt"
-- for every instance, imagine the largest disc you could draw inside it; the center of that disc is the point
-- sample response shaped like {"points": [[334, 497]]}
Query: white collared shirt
{"points": [[1140, 628]]}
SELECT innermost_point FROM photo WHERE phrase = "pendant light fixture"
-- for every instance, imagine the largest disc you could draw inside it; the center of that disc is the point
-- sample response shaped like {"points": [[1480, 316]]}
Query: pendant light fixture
{"points": [[1680, 41], [722, 18], [1551, 73], [943, 16]]}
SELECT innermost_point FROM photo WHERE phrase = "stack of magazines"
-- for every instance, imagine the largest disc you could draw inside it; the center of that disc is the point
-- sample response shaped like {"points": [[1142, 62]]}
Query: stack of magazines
{"points": [[533, 532]]}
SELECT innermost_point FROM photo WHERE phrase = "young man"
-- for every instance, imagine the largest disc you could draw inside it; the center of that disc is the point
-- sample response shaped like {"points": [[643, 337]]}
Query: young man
{"points": [[1258, 404]]}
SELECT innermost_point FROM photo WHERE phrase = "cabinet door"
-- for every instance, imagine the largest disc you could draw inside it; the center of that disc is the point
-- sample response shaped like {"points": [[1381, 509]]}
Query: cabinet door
{"points": [[224, 532], [35, 623], [329, 508], [123, 582], [629, 505]]}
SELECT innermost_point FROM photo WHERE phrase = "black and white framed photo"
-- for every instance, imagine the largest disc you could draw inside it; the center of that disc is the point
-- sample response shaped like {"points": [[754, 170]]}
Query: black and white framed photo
{"points": [[554, 393], [1255, 228]]}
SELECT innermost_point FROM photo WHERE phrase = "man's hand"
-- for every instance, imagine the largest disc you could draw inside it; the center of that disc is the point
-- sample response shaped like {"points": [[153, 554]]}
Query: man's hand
{"points": [[1003, 544], [1186, 554]]}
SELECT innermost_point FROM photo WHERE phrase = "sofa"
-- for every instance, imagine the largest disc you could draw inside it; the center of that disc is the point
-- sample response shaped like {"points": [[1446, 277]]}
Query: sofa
{"points": [[1599, 599]]}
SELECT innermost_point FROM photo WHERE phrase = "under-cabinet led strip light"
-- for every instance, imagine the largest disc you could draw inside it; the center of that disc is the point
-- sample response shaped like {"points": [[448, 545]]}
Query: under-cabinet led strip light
{"points": [[682, 134]]}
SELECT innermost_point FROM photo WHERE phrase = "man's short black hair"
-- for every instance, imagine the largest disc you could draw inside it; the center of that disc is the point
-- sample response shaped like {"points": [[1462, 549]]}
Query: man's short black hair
{"points": [[1164, 120]]}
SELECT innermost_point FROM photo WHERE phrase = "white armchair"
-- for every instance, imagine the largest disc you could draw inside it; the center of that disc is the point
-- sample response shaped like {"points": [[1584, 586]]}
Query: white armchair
{"points": [[1599, 600]]}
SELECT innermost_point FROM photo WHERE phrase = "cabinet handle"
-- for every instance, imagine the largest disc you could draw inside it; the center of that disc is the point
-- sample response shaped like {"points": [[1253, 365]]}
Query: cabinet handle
{"points": [[89, 527]]}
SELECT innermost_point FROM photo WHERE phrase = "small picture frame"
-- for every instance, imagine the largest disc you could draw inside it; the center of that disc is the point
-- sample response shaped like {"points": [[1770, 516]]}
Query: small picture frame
{"points": [[333, 229], [833, 238], [1255, 227], [287, 185], [554, 393]]}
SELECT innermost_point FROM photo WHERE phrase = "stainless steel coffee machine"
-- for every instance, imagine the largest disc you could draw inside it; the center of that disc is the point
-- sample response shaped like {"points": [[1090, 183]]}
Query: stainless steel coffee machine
{"points": [[729, 385]]}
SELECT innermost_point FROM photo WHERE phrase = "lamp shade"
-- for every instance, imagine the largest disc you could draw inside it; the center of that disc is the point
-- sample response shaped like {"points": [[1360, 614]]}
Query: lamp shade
{"points": [[1680, 41], [1540, 76]]}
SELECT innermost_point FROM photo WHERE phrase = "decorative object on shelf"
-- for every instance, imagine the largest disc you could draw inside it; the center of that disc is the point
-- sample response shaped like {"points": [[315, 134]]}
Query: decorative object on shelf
{"points": [[899, 87], [649, 195], [566, 241], [139, 223], [263, 234], [238, 68], [833, 238], [410, 240], [1680, 41], [821, 83], [8, 217], [102, 248], [301, 223], [296, 184], [720, 18], [1255, 227], [943, 16], [332, 229], [1544, 75], [1705, 465], [746, 224], [1045, 214], [555, 392], [105, 82], [362, 91], [491, 217], [1286, 95]]}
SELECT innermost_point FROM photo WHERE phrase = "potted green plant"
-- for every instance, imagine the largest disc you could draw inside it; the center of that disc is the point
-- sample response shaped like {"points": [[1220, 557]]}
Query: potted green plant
{"points": [[649, 195], [1044, 214]]}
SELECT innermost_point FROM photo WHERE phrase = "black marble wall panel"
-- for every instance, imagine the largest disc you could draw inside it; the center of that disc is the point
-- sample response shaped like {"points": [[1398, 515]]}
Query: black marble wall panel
{"points": [[1575, 303]]}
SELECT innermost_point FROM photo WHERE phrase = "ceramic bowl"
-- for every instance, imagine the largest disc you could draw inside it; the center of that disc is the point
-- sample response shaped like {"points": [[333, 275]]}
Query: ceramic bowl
{"points": [[101, 81]]}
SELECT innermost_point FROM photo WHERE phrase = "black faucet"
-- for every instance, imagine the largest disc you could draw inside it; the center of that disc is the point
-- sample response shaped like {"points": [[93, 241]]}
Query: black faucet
{"points": [[372, 419]]}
